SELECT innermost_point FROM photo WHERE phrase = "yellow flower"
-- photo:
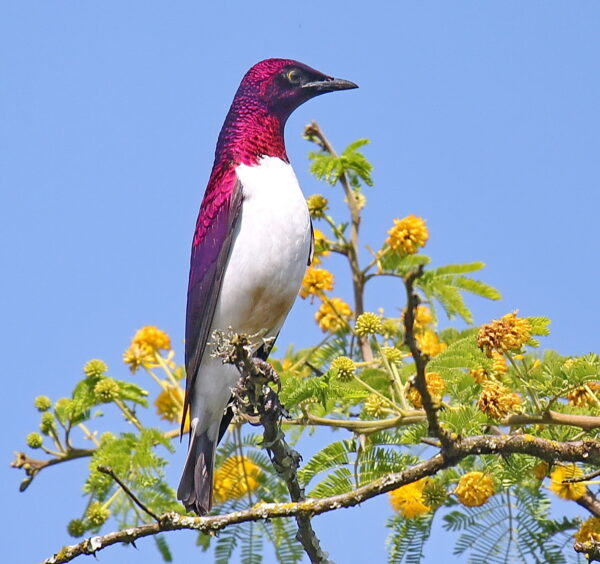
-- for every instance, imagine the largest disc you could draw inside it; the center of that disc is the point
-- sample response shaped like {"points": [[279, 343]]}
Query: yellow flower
{"points": [[367, 324], [316, 281], [97, 514], [499, 365], [169, 406], [573, 490], [509, 333], [390, 328], [423, 317], [139, 356], [435, 385], [589, 531], [95, 368], [430, 344], [474, 489], [317, 205], [408, 499], [106, 390], [333, 314], [169, 403], [407, 235], [321, 247], [497, 401], [584, 396], [541, 469], [344, 368], [480, 375], [392, 354], [237, 476], [374, 405], [153, 338]]}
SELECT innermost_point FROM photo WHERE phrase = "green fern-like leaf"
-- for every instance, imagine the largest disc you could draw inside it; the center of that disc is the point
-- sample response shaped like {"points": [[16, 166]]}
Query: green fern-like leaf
{"points": [[407, 540]]}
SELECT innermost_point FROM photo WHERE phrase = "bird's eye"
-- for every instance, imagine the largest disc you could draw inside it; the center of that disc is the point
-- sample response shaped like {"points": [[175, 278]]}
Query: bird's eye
{"points": [[294, 76]]}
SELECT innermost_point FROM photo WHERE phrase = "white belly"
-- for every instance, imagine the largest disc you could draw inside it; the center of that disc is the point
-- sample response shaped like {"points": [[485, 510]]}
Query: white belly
{"points": [[263, 275], [269, 251]]}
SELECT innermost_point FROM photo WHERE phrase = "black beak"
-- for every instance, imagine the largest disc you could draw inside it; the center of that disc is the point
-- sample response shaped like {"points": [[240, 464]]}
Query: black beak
{"points": [[329, 85]]}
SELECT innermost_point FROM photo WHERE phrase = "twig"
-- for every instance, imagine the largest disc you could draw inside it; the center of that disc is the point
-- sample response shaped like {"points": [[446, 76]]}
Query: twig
{"points": [[314, 131], [551, 451], [591, 550], [110, 472], [33, 466], [583, 478], [420, 382], [255, 398]]}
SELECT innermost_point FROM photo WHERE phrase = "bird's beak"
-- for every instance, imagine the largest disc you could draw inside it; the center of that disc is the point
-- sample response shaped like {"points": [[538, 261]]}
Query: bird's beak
{"points": [[329, 85]]}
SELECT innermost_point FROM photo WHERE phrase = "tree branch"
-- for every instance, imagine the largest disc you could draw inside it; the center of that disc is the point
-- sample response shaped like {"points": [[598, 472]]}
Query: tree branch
{"points": [[314, 132], [109, 472], [420, 382], [551, 451], [256, 399]]}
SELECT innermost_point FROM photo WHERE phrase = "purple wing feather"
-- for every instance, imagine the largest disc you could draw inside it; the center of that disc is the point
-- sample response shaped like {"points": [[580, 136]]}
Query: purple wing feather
{"points": [[218, 215]]}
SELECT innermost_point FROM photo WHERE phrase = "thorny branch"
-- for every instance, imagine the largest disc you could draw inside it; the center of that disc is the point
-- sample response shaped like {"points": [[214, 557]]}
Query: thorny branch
{"points": [[256, 400], [109, 472], [577, 451], [420, 382]]}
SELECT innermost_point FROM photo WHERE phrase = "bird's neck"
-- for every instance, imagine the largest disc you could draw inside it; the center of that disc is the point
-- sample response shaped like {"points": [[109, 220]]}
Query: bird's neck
{"points": [[250, 132]]}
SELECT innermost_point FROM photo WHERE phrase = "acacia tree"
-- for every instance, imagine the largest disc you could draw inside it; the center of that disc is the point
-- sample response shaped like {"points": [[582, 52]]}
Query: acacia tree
{"points": [[476, 428]]}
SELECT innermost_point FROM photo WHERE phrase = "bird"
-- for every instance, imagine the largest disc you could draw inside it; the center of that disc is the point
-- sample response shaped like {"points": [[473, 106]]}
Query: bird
{"points": [[252, 243]]}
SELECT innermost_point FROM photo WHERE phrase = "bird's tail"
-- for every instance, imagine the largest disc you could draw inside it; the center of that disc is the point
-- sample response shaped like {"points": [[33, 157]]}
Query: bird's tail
{"points": [[196, 485]]}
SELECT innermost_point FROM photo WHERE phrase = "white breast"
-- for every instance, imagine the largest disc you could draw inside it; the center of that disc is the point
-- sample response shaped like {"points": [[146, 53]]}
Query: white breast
{"points": [[269, 252]]}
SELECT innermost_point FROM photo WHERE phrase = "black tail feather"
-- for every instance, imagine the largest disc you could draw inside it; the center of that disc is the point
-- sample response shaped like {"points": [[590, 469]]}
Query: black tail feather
{"points": [[196, 485]]}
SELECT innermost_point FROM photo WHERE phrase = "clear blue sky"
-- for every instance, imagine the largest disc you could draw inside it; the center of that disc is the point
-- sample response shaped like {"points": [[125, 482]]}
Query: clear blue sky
{"points": [[483, 118]]}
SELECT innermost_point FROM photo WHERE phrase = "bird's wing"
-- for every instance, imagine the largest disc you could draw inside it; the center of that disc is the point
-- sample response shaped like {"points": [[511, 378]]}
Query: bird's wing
{"points": [[218, 216]]}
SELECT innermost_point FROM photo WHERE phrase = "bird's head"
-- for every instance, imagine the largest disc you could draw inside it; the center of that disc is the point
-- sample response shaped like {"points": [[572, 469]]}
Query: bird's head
{"points": [[269, 92], [283, 84]]}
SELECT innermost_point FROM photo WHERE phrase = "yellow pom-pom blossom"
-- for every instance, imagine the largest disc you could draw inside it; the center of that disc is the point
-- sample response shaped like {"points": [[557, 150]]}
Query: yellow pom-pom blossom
{"points": [[408, 499], [95, 368], [541, 469], [97, 514], [374, 405], [333, 315], [367, 324], [169, 406], [573, 490], [169, 403], [317, 205], [480, 375], [42, 403], [390, 328], [423, 317], [153, 338], [407, 235], [321, 247], [499, 365], [106, 390], [474, 489], [589, 531], [237, 476], [316, 281], [584, 396], [430, 344], [497, 401], [139, 356], [509, 333], [344, 368], [392, 354], [435, 385]]}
